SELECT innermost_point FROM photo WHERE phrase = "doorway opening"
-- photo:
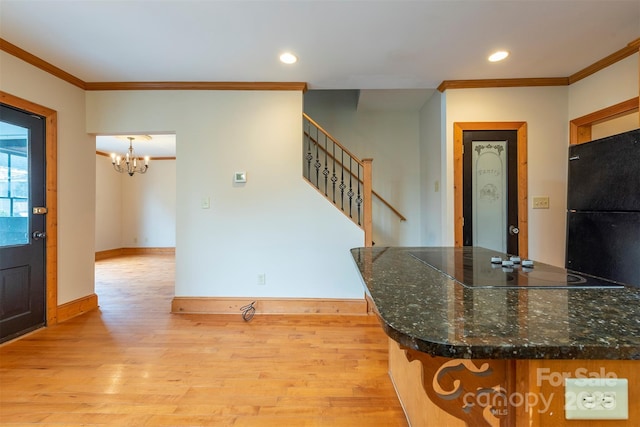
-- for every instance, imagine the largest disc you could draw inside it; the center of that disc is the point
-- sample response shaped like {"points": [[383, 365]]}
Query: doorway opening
{"points": [[135, 214]]}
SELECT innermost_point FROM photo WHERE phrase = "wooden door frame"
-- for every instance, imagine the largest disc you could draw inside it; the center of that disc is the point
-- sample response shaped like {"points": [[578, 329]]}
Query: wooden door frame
{"points": [[521, 129], [51, 197], [580, 127]]}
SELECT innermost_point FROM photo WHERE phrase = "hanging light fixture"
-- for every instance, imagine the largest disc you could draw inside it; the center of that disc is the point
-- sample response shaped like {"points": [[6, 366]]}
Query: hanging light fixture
{"points": [[131, 163]]}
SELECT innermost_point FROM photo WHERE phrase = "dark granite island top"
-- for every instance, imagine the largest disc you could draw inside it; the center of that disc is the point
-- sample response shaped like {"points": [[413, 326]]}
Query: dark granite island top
{"points": [[431, 300]]}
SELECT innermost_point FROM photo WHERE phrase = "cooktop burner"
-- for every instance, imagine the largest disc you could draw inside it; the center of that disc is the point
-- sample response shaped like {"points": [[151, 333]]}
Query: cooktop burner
{"points": [[472, 267]]}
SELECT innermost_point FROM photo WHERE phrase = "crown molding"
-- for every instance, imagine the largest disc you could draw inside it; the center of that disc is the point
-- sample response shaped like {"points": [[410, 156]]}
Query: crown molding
{"points": [[631, 48], [635, 43], [619, 55], [40, 63], [486, 83], [299, 86]]}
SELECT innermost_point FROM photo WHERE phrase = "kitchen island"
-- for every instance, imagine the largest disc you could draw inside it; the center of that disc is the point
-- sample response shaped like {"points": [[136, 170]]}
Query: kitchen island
{"points": [[475, 343]]}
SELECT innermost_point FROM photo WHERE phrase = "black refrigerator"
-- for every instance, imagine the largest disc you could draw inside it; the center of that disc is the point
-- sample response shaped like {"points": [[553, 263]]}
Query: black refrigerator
{"points": [[603, 208]]}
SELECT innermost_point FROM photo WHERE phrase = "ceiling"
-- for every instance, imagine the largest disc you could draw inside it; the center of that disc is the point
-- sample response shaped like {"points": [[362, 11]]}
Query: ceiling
{"points": [[393, 45]]}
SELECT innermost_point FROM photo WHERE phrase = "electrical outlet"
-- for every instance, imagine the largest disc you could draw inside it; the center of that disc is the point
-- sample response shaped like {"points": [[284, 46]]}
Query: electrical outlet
{"points": [[205, 203], [262, 279], [540, 203], [596, 399]]}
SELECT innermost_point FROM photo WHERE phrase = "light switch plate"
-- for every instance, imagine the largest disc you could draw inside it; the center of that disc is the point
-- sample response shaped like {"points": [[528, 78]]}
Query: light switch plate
{"points": [[596, 399]]}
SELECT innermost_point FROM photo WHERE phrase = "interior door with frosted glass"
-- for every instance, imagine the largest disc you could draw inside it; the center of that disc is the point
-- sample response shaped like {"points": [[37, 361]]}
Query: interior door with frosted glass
{"points": [[490, 183], [22, 222]]}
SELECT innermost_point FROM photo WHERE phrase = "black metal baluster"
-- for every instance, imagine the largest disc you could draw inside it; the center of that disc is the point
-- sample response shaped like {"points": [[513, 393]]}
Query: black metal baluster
{"points": [[334, 178], [359, 198], [350, 193], [325, 171], [342, 184], [309, 156], [317, 164]]}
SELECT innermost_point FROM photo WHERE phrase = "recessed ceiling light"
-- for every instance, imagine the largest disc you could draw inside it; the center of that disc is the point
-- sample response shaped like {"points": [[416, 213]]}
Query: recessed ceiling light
{"points": [[288, 58], [498, 56]]}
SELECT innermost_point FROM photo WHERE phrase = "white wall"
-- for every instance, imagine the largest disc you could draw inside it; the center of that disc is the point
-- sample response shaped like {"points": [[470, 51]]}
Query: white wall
{"points": [[391, 139], [76, 171], [275, 224], [135, 211], [545, 111], [108, 206], [614, 84], [432, 153], [148, 213]]}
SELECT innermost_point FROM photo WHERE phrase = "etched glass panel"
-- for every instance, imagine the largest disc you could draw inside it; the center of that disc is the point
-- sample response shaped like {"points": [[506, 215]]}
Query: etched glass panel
{"points": [[489, 194]]}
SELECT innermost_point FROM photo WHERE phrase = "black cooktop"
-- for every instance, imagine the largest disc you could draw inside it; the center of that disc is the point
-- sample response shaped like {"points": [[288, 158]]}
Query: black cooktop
{"points": [[472, 267]]}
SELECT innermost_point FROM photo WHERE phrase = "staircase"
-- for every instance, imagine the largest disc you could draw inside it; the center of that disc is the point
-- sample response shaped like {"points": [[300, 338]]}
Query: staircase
{"points": [[340, 176]]}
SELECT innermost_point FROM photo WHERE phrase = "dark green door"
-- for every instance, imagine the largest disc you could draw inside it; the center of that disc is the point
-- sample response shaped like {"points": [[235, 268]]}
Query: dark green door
{"points": [[22, 222]]}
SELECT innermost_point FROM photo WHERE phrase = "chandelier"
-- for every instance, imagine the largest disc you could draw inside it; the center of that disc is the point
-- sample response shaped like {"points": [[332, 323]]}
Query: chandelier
{"points": [[131, 163]]}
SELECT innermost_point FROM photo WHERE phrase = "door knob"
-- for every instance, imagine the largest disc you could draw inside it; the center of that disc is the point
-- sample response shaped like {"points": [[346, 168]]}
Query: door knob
{"points": [[513, 230], [37, 235]]}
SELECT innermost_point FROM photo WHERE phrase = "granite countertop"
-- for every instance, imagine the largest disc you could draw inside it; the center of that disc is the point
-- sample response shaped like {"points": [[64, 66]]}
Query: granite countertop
{"points": [[424, 308]]}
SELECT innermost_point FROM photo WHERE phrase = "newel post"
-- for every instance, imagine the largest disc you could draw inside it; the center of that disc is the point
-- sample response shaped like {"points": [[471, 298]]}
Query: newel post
{"points": [[367, 207]]}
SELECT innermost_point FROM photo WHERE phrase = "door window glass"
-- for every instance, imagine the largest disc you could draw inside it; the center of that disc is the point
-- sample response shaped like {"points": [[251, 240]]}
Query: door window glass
{"points": [[14, 185], [489, 194]]}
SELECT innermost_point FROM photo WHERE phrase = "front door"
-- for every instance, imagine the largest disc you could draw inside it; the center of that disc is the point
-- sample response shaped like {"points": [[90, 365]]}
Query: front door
{"points": [[22, 222], [490, 189]]}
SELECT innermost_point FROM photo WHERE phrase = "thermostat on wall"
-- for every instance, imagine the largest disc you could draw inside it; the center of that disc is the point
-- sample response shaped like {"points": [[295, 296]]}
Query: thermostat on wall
{"points": [[240, 177]]}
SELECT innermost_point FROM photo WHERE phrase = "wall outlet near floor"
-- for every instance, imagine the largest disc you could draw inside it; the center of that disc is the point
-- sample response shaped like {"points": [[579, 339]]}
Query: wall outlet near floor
{"points": [[596, 399], [541, 203], [262, 279]]}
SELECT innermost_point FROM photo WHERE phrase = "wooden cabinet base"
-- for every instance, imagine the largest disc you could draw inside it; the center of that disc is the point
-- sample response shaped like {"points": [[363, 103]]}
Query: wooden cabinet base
{"points": [[468, 392]]}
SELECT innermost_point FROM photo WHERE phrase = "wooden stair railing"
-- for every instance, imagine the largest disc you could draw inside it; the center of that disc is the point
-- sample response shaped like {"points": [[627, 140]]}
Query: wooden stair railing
{"points": [[340, 176], [373, 192]]}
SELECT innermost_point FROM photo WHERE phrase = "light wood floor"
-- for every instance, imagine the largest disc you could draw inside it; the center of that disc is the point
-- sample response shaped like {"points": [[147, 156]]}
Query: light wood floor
{"points": [[132, 363]]}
